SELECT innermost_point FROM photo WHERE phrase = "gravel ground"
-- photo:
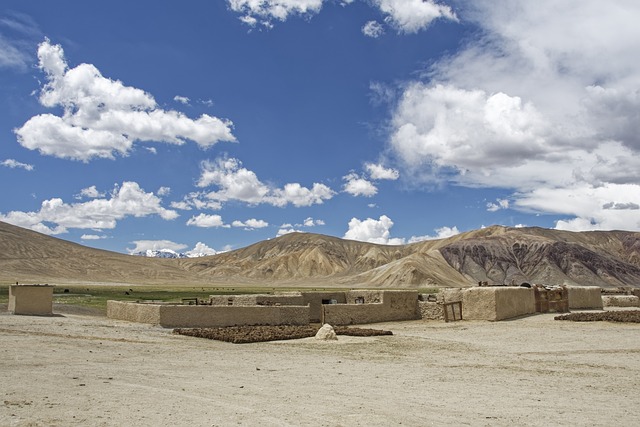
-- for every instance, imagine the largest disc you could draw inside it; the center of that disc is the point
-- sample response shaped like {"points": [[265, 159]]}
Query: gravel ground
{"points": [[75, 369]]}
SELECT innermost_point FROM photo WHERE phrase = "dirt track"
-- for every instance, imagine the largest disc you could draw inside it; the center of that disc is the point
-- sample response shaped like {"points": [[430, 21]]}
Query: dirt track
{"points": [[87, 370]]}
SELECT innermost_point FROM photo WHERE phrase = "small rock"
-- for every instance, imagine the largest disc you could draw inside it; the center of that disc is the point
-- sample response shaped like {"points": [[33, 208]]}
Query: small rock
{"points": [[326, 333]]}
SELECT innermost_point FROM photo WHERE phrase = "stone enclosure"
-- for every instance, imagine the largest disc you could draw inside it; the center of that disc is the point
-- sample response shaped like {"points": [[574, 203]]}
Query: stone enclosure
{"points": [[34, 300], [360, 306]]}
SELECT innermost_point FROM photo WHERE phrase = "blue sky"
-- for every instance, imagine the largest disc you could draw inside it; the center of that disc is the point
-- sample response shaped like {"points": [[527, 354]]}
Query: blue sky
{"points": [[210, 125]]}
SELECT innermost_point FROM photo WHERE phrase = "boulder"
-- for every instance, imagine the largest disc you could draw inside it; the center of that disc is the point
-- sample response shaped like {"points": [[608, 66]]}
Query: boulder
{"points": [[326, 333]]}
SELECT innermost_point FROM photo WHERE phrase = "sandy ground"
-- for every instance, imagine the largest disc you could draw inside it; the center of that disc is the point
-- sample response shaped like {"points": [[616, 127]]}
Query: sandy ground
{"points": [[76, 369]]}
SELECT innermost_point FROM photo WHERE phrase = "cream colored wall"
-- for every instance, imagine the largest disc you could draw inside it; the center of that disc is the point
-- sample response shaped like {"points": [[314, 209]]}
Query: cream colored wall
{"points": [[314, 300], [207, 316], [585, 297], [395, 306], [497, 303], [31, 300]]}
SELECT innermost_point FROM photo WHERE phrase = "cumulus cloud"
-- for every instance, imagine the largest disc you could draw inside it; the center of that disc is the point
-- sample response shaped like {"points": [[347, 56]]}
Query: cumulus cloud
{"points": [[406, 16], [103, 117], [201, 249], [373, 29], [441, 233], [92, 237], [11, 163], [357, 186], [379, 172], [287, 230], [411, 16], [265, 11], [234, 182], [372, 231], [546, 100], [55, 216], [250, 224], [310, 222], [156, 245], [207, 221], [499, 204], [90, 193], [181, 99]]}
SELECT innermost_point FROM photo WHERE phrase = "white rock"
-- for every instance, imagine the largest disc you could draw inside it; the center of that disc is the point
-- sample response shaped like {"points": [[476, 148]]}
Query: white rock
{"points": [[326, 333]]}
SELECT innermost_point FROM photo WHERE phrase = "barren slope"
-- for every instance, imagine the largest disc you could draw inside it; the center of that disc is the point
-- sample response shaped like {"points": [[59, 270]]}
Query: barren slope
{"points": [[498, 255]]}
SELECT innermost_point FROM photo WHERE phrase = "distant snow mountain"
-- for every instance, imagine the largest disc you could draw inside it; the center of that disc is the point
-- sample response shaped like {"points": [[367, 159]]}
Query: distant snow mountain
{"points": [[168, 253]]}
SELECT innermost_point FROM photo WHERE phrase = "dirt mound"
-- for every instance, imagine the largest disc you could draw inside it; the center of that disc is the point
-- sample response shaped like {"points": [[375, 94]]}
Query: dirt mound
{"points": [[628, 316], [249, 334]]}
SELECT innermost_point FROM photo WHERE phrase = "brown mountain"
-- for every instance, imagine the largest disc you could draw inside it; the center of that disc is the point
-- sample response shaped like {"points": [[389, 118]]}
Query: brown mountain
{"points": [[498, 255]]}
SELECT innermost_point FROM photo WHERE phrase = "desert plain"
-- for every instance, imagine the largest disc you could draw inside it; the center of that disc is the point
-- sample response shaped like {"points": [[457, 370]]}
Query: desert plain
{"points": [[79, 368]]}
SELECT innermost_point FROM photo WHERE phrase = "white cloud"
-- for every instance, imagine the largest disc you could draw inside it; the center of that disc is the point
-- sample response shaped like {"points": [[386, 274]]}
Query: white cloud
{"points": [[250, 224], [156, 245], [11, 163], [441, 233], [310, 222], [357, 186], [546, 100], [265, 11], [90, 193], [372, 231], [181, 99], [411, 16], [164, 191], [55, 216], [16, 32], [235, 182], [287, 230], [379, 172], [198, 201], [373, 29], [207, 221], [500, 204], [92, 237], [201, 249], [103, 117]]}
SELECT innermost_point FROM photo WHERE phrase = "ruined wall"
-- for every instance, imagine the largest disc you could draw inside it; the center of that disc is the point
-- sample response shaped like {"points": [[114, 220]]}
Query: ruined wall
{"points": [[207, 316], [395, 306], [620, 301], [497, 303], [585, 297], [431, 310], [31, 300]]}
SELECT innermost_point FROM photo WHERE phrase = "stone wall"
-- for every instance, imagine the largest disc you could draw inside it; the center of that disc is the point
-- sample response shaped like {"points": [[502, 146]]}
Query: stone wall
{"points": [[207, 316], [315, 301], [585, 297], [393, 306], [293, 298], [620, 301], [31, 300], [497, 303]]}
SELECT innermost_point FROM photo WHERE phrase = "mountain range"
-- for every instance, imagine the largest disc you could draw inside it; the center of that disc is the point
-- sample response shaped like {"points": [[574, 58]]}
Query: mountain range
{"points": [[497, 255]]}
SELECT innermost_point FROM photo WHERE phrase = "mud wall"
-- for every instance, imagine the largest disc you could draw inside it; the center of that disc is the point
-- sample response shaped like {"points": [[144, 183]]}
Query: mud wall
{"points": [[31, 300], [394, 306], [207, 316], [585, 297], [497, 303], [315, 299], [620, 301], [258, 299]]}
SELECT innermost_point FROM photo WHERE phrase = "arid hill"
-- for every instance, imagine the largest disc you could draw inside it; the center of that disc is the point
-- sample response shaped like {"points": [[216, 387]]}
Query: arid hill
{"points": [[498, 255]]}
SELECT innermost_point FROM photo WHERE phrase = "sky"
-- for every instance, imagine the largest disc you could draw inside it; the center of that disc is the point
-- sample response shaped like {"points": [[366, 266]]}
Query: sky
{"points": [[206, 126]]}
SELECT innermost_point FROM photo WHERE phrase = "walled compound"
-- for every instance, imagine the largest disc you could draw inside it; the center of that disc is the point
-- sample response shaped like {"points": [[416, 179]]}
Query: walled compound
{"points": [[359, 306]]}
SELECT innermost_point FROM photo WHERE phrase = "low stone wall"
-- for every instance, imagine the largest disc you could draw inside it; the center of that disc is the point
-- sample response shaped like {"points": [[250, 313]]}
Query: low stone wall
{"points": [[431, 310], [620, 301], [585, 297], [497, 303], [207, 316], [34, 300], [394, 306]]}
